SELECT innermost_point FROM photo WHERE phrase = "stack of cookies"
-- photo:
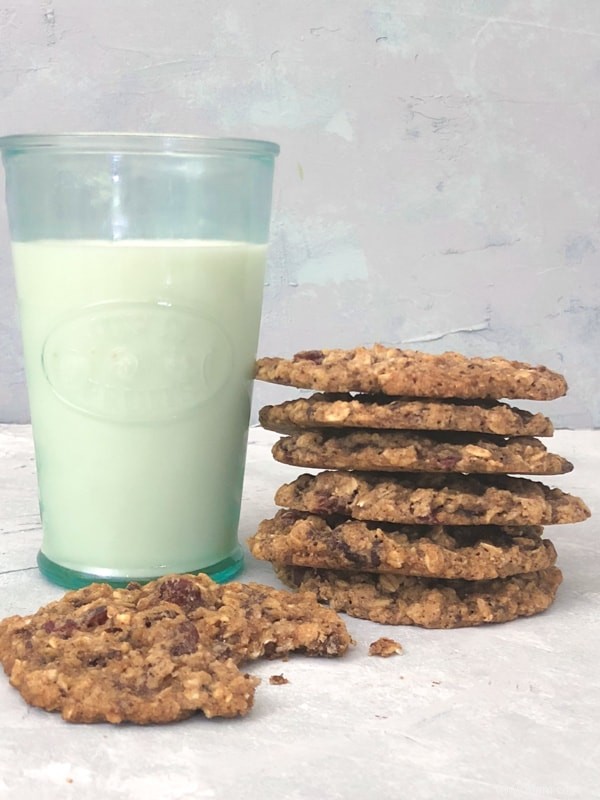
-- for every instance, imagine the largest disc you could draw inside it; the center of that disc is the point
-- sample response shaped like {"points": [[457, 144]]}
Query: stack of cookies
{"points": [[419, 518]]}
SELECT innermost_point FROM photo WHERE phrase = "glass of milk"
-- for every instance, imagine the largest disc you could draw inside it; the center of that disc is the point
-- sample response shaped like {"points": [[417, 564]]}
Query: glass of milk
{"points": [[139, 263]]}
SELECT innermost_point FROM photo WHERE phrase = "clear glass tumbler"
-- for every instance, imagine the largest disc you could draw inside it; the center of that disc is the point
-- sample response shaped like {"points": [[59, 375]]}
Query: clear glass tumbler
{"points": [[139, 263]]}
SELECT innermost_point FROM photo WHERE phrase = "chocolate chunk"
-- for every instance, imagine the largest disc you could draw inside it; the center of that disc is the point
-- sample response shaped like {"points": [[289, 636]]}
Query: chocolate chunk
{"points": [[182, 592]]}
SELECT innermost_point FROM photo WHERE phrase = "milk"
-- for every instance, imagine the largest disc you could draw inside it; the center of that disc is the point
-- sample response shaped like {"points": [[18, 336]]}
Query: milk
{"points": [[139, 357]]}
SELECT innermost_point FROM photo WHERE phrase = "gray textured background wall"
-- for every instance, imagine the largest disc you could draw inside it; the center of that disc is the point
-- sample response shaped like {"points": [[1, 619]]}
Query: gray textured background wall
{"points": [[438, 183]]}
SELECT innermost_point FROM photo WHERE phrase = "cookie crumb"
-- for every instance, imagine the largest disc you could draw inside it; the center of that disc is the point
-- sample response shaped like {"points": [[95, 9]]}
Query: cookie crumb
{"points": [[385, 647], [278, 680]]}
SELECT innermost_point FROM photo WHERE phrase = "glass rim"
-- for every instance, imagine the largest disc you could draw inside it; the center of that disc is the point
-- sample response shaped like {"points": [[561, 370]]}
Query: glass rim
{"points": [[151, 143]]}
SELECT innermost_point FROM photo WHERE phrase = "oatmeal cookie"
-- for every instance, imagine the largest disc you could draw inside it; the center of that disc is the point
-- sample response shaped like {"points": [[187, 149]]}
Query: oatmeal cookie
{"points": [[391, 371], [397, 451], [428, 602], [467, 552], [161, 652], [402, 413], [424, 498]]}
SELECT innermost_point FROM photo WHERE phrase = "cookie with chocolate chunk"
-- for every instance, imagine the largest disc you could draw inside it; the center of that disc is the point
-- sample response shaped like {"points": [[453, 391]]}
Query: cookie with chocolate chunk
{"points": [[469, 552], [427, 602], [161, 652], [398, 451], [402, 413], [392, 371], [424, 498]]}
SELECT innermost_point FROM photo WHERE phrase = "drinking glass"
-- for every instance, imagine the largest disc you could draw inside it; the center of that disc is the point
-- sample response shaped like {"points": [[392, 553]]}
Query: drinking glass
{"points": [[139, 264]]}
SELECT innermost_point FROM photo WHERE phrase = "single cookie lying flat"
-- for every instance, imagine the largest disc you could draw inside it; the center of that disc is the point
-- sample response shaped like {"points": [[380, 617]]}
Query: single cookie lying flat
{"points": [[396, 451], [158, 653], [469, 552], [379, 411], [424, 498], [430, 603], [411, 373]]}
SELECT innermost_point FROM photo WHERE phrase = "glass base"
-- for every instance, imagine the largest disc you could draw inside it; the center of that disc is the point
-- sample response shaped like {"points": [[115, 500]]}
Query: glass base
{"points": [[73, 579]]}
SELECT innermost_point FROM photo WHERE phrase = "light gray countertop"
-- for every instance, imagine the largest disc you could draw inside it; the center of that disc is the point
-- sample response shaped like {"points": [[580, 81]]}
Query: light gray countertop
{"points": [[504, 711]]}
